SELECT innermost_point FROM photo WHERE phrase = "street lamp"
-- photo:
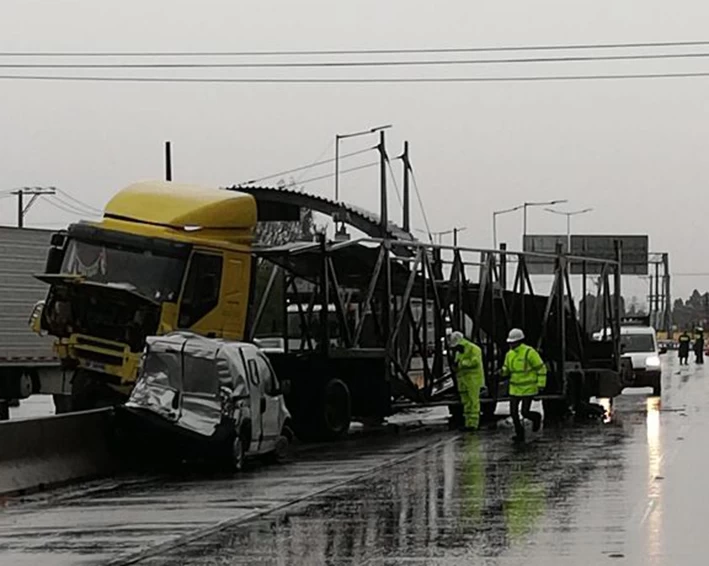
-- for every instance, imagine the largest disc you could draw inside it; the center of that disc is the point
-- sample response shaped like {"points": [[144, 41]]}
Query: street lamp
{"points": [[568, 222], [494, 221], [339, 137], [526, 205]]}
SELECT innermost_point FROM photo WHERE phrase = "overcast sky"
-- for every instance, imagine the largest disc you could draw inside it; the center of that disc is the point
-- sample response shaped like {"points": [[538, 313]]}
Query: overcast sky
{"points": [[635, 150]]}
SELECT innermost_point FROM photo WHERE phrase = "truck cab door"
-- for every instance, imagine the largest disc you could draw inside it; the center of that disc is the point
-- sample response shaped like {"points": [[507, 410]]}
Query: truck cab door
{"points": [[200, 300], [235, 294]]}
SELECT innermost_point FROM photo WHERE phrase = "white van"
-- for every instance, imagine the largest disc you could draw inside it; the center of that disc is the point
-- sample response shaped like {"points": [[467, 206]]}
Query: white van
{"points": [[208, 397], [638, 343]]}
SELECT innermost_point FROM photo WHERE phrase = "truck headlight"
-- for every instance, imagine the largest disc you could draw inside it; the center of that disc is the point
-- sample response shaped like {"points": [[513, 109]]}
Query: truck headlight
{"points": [[653, 362]]}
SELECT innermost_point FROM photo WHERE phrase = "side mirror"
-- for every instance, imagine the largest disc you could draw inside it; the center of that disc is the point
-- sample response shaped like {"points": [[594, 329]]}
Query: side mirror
{"points": [[58, 240], [663, 350], [285, 388], [55, 258]]}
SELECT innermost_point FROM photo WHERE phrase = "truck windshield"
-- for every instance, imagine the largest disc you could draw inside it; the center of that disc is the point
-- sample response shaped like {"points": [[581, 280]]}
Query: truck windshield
{"points": [[154, 276], [637, 343]]}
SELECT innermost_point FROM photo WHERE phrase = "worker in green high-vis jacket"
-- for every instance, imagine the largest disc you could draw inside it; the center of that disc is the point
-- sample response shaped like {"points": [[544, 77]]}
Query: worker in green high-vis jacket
{"points": [[527, 373], [470, 374]]}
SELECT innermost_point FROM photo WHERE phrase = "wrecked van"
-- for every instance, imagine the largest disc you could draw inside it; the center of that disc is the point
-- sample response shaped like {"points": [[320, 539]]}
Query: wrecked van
{"points": [[198, 397]]}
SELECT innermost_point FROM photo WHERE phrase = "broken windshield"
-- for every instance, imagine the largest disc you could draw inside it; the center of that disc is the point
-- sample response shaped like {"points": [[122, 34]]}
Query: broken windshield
{"points": [[154, 276]]}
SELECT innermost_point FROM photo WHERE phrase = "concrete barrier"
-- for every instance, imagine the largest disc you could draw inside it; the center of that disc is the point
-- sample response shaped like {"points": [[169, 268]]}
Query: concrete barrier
{"points": [[39, 453]]}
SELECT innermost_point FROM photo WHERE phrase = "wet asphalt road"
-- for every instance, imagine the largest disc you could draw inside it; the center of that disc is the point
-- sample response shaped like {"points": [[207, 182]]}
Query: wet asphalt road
{"points": [[629, 491]]}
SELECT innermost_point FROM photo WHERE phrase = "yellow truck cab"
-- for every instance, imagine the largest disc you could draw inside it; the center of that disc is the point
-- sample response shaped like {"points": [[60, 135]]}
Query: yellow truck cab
{"points": [[164, 257]]}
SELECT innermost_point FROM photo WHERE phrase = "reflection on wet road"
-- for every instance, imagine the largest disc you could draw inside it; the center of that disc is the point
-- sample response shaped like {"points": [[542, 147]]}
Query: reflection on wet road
{"points": [[629, 491]]}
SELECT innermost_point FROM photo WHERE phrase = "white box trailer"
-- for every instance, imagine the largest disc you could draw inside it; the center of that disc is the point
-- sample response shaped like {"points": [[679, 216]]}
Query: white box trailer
{"points": [[27, 362]]}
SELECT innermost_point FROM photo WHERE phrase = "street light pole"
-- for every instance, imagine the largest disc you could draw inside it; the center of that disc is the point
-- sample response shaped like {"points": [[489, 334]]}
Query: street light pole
{"points": [[526, 205], [497, 213], [340, 137], [568, 222]]}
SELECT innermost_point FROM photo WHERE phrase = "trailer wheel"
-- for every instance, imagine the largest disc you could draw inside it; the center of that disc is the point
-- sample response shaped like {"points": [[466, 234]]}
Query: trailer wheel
{"points": [[488, 411], [555, 409], [335, 409]]}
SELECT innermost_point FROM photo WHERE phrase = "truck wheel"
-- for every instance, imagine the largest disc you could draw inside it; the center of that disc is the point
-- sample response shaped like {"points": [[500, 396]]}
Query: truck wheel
{"points": [[335, 409]]}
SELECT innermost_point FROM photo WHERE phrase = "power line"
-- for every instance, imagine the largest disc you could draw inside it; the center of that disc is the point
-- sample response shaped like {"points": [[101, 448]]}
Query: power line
{"points": [[334, 64], [317, 159], [77, 201], [305, 167], [420, 201], [357, 80], [342, 172], [53, 201], [398, 51]]}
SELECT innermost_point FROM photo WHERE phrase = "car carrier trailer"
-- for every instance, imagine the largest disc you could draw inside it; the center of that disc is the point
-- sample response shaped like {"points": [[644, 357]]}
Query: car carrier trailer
{"points": [[382, 350]]}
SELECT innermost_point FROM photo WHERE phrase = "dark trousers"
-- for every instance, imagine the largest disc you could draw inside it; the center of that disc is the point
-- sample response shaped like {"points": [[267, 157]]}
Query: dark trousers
{"points": [[700, 355], [527, 413]]}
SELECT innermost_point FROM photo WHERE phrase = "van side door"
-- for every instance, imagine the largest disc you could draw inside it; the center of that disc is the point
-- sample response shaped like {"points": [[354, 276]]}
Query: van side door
{"points": [[256, 399], [272, 417]]}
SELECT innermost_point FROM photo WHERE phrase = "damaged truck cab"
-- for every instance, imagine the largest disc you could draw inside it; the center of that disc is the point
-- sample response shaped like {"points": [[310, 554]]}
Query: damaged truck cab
{"points": [[164, 257]]}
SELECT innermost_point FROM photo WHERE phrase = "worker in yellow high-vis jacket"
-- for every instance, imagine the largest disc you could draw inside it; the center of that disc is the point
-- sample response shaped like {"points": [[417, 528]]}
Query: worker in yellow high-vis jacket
{"points": [[528, 375], [470, 374]]}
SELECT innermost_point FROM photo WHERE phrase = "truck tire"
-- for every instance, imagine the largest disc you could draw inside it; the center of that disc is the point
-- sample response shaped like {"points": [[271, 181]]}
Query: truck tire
{"points": [[334, 410]]}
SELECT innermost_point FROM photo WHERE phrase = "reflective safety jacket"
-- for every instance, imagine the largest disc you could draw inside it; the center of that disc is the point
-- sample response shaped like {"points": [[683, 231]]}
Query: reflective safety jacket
{"points": [[526, 370], [470, 372], [684, 343]]}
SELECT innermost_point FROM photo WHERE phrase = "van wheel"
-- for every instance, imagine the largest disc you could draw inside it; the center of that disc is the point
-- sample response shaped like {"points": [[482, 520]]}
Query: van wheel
{"points": [[237, 455], [282, 452]]}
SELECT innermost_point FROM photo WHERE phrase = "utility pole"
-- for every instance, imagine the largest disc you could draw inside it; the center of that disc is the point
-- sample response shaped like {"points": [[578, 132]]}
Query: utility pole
{"points": [[384, 207], [407, 190], [168, 161], [35, 193]]}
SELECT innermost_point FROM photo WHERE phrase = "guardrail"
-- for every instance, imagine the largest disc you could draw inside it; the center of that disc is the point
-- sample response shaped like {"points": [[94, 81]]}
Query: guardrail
{"points": [[40, 453]]}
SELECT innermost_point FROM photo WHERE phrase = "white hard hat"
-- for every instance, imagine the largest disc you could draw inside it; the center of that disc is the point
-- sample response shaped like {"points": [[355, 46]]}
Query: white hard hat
{"points": [[515, 335], [455, 338]]}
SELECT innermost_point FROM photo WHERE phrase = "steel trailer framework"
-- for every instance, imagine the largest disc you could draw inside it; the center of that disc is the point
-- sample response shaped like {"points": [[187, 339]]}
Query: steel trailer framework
{"points": [[395, 302]]}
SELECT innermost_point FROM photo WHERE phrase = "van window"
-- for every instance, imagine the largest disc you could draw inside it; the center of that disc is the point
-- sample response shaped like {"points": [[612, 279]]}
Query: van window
{"points": [[267, 377], [637, 343], [200, 375], [201, 294]]}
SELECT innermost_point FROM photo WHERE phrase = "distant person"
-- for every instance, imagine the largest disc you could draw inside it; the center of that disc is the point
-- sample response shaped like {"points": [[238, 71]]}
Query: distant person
{"points": [[685, 340], [528, 375], [699, 347], [470, 374]]}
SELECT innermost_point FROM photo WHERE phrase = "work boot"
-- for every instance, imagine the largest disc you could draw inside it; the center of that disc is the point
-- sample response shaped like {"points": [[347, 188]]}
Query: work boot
{"points": [[518, 439], [537, 426]]}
